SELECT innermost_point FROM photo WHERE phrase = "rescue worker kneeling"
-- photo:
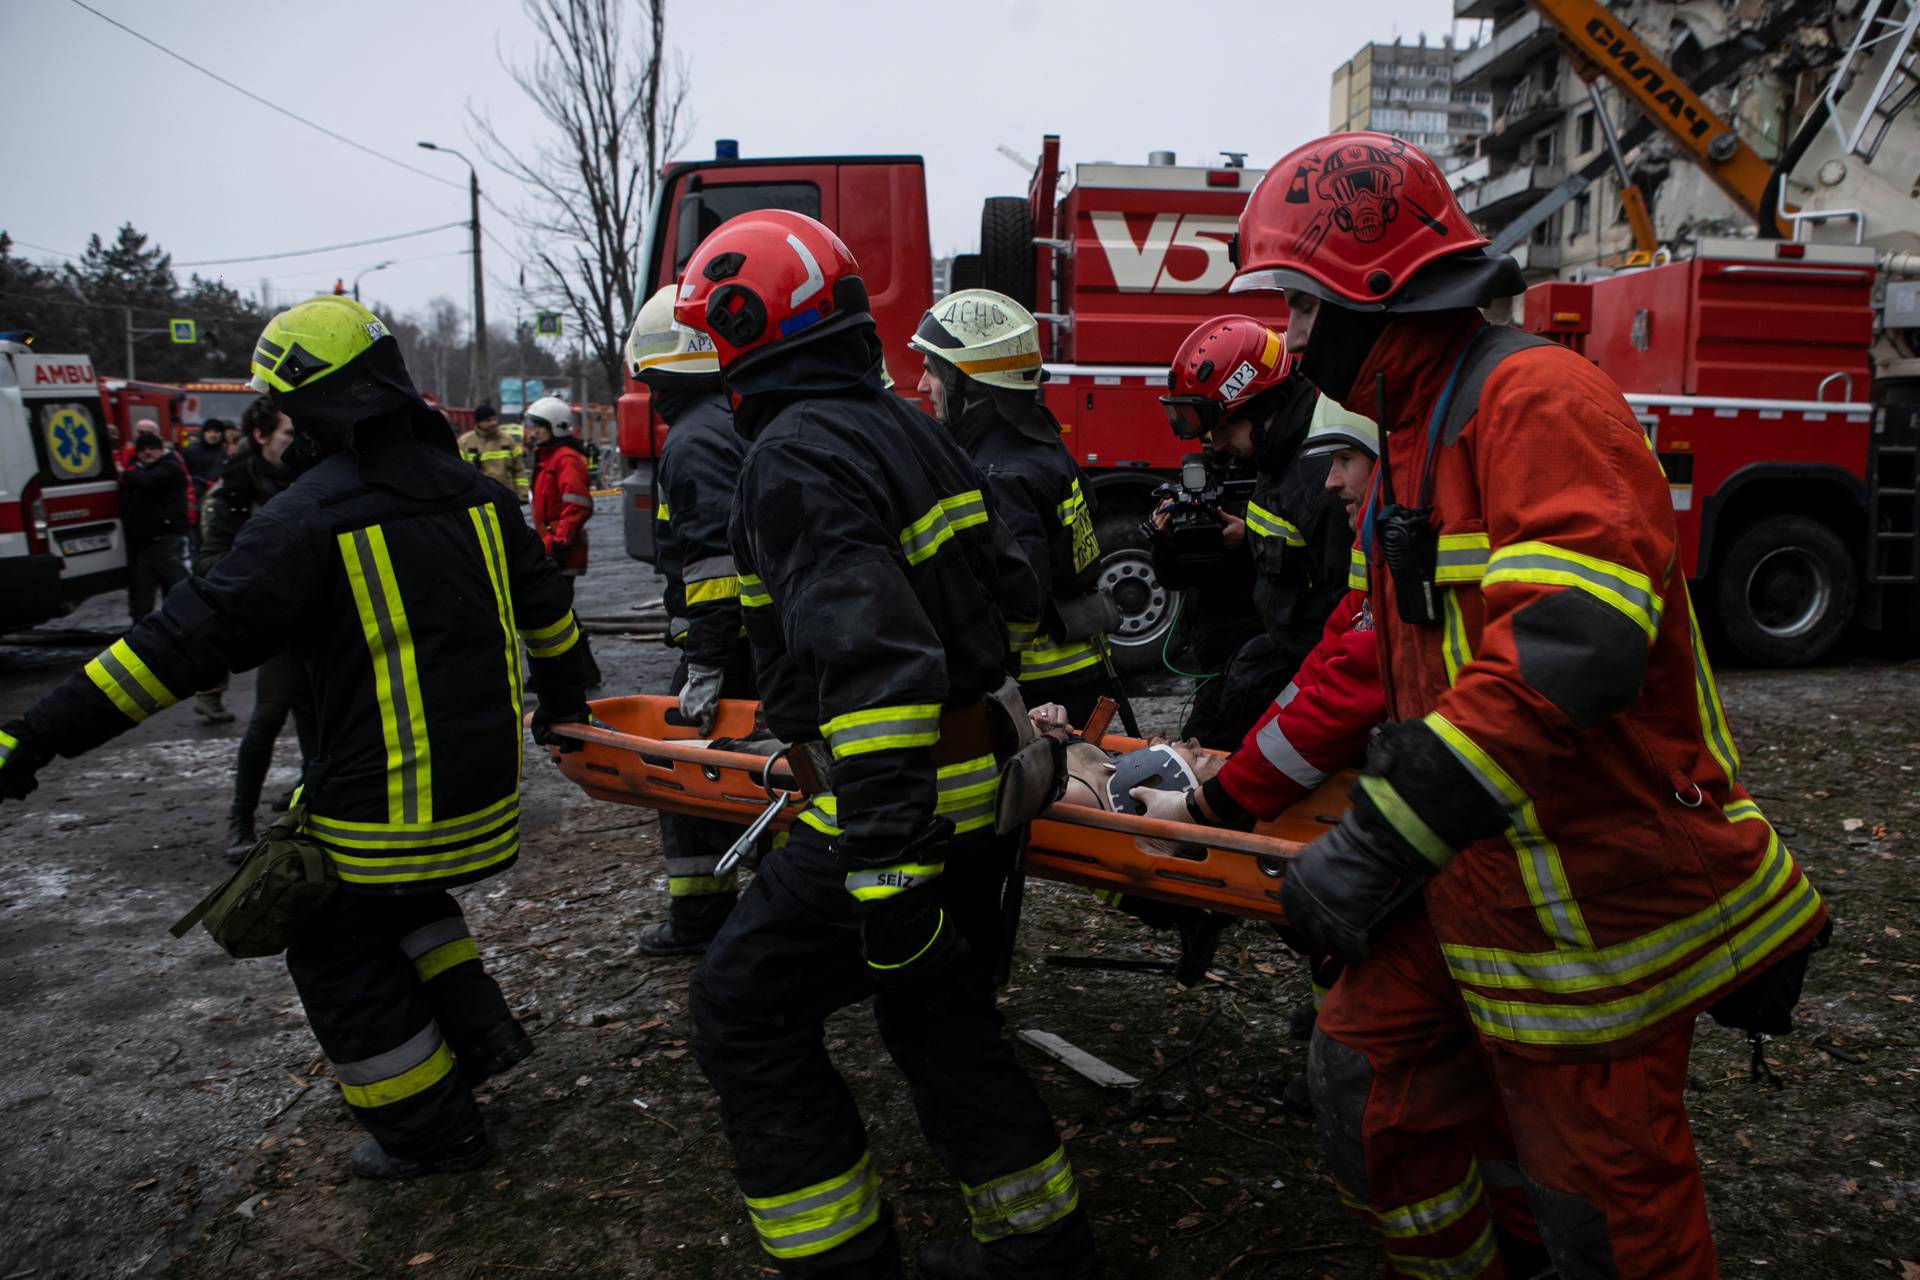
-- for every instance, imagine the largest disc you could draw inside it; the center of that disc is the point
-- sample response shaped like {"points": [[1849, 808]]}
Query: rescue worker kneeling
{"points": [[699, 468], [397, 575], [982, 380], [877, 586]]}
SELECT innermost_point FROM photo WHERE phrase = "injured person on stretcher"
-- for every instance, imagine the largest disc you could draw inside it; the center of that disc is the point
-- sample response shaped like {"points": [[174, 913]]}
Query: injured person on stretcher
{"points": [[1098, 779]]}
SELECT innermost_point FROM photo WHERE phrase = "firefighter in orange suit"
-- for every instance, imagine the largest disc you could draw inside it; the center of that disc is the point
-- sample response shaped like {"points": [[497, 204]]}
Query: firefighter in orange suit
{"points": [[1560, 785]]}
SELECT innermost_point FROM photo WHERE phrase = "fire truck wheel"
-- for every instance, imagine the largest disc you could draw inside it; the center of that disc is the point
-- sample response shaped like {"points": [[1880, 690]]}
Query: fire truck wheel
{"points": [[1126, 571], [1785, 592], [1006, 248]]}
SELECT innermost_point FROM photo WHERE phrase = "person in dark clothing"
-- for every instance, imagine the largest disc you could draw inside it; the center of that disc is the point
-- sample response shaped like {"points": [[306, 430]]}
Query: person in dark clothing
{"points": [[699, 470], [877, 586], [153, 508], [982, 379], [281, 686], [405, 582], [206, 457]]}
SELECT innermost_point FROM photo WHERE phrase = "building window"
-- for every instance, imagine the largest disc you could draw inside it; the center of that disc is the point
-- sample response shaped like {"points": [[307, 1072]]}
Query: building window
{"points": [[1582, 216], [1586, 132], [1543, 147]]}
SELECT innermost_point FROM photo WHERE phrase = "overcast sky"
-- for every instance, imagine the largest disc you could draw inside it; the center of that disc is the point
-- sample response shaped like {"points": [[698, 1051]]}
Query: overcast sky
{"points": [[103, 129]]}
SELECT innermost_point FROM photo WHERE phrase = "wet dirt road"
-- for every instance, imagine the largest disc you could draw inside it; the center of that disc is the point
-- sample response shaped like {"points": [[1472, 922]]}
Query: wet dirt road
{"points": [[164, 1110]]}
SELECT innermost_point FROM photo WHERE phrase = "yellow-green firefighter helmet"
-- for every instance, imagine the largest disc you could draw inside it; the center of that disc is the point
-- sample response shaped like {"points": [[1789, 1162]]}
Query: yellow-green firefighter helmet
{"points": [[663, 348], [308, 341], [1334, 428], [984, 335]]}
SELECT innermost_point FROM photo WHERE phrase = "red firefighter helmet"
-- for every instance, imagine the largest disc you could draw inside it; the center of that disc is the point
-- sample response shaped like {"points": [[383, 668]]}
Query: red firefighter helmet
{"points": [[769, 278], [1221, 368], [1354, 218]]}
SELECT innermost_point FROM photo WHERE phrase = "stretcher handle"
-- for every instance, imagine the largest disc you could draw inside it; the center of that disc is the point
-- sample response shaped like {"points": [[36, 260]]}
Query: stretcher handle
{"points": [[1074, 815]]}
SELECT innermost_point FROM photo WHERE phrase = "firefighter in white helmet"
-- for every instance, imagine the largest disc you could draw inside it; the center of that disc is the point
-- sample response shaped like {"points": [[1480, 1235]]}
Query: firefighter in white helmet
{"points": [[982, 380], [698, 470], [562, 496]]}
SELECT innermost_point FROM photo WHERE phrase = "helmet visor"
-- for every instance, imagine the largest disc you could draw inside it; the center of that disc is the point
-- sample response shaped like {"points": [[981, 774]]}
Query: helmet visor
{"points": [[1191, 417]]}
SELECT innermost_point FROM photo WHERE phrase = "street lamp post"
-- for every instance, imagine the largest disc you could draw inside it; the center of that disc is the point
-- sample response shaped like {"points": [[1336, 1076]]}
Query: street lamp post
{"points": [[479, 376], [378, 266]]}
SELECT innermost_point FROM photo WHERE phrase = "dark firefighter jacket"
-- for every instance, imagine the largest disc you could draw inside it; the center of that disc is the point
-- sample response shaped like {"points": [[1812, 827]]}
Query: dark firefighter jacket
{"points": [[249, 483], [402, 600], [876, 585], [1301, 540], [699, 470], [1036, 489]]}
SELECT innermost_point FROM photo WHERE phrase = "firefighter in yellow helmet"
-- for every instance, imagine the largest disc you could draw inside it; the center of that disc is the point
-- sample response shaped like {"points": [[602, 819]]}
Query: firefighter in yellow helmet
{"points": [[398, 575]]}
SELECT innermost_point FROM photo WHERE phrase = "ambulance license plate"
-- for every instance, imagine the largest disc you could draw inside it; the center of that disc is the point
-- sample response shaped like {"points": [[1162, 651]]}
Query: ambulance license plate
{"points": [[81, 546]]}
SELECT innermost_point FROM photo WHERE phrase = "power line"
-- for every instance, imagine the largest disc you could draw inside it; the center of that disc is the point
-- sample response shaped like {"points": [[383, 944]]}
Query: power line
{"points": [[325, 248], [43, 249], [272, 106]]}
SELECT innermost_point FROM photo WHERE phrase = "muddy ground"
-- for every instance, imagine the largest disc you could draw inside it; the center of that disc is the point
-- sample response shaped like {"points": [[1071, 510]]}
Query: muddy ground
{"points": [[164, 1110]]}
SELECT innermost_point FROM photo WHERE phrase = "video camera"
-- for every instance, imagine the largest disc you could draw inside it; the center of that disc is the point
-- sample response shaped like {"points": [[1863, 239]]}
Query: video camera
{"points": [[1192, 534]]}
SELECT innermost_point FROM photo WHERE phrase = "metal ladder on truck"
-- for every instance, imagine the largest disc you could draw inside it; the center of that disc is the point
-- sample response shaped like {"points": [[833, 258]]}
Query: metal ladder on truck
{"points": [[1887, 29]]}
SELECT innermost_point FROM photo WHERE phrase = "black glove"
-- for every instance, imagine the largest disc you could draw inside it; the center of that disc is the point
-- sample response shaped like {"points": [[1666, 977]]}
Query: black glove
{"points": [[904, 933], [1342, 886], [548, 713], [21, 757]]}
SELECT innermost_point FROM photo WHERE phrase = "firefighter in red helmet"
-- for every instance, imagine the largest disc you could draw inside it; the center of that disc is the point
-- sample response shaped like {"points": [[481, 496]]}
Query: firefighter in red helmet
{"points": [[877, 587], [1558, 786]]}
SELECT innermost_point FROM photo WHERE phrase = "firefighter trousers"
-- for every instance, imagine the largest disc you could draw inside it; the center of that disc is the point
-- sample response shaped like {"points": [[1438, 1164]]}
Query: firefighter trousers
{"points": [[699, 898], [788, 958], [1445, 1142], [396, 994]]}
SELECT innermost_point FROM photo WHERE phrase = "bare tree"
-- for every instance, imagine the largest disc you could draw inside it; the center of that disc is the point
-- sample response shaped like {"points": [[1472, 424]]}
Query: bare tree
{"points": [[617, 110]]}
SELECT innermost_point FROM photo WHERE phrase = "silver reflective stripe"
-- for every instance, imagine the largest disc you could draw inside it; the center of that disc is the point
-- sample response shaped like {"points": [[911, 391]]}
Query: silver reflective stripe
{"points": [[710, 567], [577, 499], [445, 867], [437, 934], [1285, 757], [327, 829], [1035, 670], [1474, 1262], [1287, 694], [843, 740], [702, 865], [791, 1243], [1021, 1202], [1638, 597], [1431, 1215], [384, 1066], [390, 655], [894, 879], [969, 504], [128, 685], [1457, 558]]}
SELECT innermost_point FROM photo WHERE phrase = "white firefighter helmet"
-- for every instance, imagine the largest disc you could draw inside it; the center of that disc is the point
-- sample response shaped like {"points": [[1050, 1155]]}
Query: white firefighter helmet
{"points": [[660, 346], [551, 412], [1333, 428], [985, 335]]}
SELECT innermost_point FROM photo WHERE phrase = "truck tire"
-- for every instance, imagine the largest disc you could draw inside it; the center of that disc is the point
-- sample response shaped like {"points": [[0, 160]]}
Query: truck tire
{"points": [[1126, 572], [1006, 248], [965, 273], [1785, 592]]}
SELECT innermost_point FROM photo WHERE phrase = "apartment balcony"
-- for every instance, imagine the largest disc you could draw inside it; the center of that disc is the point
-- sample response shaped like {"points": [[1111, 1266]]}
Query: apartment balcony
{"points": [[1506, 54], [1485, 8], [1503, 195], [1525, 110], [1537, 257]]}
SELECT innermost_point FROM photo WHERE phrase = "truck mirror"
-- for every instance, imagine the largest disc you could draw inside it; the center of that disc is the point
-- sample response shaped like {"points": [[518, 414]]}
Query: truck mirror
{"points": [[689, 230]]}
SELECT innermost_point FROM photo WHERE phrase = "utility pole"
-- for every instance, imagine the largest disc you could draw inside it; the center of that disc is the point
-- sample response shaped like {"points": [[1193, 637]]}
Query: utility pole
{"points": [[130, 337], [479, 371]]}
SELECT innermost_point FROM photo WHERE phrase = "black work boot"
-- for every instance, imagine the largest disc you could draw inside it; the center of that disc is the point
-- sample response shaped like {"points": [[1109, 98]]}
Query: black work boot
{"points": [[1200, 932], [240, 837], [502, 1046], [691, 925], [968, 1260], [371, 1160]]}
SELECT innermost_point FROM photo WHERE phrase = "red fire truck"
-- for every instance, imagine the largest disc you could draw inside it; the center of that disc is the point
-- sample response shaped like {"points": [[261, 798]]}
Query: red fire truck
{"points": [[1118, 266]]}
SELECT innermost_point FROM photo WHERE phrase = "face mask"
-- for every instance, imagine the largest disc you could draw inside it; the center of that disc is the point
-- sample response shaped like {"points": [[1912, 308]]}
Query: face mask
{"points": [[1339, 344]]}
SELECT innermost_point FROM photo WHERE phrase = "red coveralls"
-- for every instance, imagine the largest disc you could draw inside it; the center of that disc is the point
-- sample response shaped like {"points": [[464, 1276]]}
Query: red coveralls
{"points": [[1553, 980], [562, 502]]}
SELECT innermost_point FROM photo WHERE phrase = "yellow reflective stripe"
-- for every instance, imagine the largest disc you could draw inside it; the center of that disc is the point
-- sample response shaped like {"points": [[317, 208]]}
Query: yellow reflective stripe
{"points": [[1543, 564], [553, 640], [1541, 867], [1411, 826], [1269, 524], [1565, 970], [713, 589], [965, 793], [1025, 1201], [1529, 1022], [701, 886], [1108, 897], [817, 1218], [1043, 661], [753, 595], [400, 835], [869, 884], [495, 455], [1073, 506], [1478, 1258], [493, 553], [1356, 570], [443, 958], [946, 517], [128, 682], [939, 923], [1742, 811], [440, 865], [1706, 696], [396, 680], [1454, 647], [1462, 558], [1021, 635], [882, 729], [1436, 1213], [663, 511], [7, 743], [413, 1068]]}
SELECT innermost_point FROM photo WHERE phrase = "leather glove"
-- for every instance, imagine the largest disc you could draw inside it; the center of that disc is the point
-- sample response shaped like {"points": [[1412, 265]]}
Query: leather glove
{"points": [[700, 695], [1167, 806], [1342, 886], [548, 713], [20, 759]]}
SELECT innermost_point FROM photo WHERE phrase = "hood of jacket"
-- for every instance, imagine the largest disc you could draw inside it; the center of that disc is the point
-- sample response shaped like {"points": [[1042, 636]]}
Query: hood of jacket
{"points": [[846, 363]]}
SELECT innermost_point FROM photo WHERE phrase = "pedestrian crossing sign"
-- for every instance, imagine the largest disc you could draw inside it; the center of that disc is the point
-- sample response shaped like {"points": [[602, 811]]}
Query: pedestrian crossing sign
{"points": [[182, 332], [546, 324]]}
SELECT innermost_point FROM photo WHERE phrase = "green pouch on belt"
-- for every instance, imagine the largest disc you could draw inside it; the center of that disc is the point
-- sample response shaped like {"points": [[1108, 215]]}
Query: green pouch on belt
{"points": [[269, 896]]}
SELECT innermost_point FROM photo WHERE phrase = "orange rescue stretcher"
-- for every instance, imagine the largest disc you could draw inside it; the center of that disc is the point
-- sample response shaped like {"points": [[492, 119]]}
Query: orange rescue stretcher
{"points": [[637, 754]]}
